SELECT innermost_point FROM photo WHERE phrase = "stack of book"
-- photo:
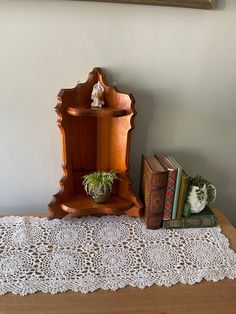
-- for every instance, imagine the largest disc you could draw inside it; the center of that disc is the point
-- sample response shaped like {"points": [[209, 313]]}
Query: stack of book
{"points": [[164, 185]]}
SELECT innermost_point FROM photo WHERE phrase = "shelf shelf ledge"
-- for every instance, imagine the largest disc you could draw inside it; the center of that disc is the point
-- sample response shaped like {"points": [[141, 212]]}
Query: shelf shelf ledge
{"points": [[96, 112]]}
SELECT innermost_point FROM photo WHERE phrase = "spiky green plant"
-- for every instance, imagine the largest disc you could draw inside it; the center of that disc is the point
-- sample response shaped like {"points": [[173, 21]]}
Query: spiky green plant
{"points": [[100, 180], [199, 181]]}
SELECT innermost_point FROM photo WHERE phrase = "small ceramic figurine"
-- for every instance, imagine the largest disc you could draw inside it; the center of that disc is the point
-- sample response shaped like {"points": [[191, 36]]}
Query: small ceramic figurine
{"points": [[97, 96]]}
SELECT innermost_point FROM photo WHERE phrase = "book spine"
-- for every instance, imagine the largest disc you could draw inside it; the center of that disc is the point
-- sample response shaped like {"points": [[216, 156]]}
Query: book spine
{"points": [[177, 186], [182, 195], [155, 208], [169, 197], [191, 222], [153, 193]]}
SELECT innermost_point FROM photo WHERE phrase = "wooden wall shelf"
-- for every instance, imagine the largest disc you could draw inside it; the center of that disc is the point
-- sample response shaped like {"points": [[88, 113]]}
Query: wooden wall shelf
{"points": [[94, 140]]}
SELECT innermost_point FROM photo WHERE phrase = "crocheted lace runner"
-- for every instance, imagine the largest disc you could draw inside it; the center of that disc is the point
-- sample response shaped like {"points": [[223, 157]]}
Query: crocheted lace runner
{"points": [[108, 253]]}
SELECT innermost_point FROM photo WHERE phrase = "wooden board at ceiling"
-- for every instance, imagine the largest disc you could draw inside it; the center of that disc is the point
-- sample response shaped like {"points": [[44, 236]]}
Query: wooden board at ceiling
{"points": [[198, 4]]}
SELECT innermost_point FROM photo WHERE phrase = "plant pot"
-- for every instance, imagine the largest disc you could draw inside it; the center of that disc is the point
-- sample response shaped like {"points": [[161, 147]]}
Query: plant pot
{"points": [[196, 206], [100, 196]]}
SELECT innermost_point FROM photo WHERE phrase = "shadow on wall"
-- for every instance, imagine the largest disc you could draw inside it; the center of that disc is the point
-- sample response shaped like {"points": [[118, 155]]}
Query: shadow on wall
{"points": [[144, 106], [220, 5], [195, 163], [150, 108], [226, 204], [150, 125]]}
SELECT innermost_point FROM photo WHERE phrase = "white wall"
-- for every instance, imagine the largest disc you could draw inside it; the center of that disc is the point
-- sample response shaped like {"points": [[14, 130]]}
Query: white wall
{"points": [[179, 63]]}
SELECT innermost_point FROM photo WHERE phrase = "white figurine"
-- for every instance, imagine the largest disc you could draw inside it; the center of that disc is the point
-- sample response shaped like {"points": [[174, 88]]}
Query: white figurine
{"points": [[97, 96]]}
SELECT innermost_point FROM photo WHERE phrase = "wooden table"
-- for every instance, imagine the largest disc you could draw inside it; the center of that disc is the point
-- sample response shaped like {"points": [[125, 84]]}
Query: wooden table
{"points": [[204, 297]]}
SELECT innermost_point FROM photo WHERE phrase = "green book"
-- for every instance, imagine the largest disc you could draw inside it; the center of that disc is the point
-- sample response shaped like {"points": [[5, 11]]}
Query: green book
{"points": [[206, 218], [182, 195], [177, 186]]}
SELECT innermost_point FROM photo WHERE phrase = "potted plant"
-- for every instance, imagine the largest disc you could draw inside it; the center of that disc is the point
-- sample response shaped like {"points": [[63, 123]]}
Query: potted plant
{"points": [[99, 185], [200, 193]]}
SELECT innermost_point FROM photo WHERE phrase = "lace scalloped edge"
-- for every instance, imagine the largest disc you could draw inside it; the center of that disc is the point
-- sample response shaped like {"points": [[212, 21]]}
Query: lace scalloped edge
{"points": [[67, 289]]}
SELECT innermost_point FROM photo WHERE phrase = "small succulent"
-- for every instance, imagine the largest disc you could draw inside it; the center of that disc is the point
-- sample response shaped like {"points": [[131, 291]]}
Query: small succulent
{"points": [[100, 180]]}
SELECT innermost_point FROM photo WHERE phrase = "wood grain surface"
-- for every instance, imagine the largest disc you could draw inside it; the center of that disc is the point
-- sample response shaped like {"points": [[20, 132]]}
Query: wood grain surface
{"points": [[202, 298], [95, 139], [198, 4]]}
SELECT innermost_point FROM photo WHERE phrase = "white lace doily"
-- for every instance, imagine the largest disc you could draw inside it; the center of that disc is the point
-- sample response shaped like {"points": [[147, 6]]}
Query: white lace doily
{"points": [[108, 253]]}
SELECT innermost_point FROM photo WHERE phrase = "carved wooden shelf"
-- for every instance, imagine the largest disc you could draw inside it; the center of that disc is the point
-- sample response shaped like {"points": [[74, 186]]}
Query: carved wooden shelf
{"points": [[96, 112], [95, 139], [83, 205]]}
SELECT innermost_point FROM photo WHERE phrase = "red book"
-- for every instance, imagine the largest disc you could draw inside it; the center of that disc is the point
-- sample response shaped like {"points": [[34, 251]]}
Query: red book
{"points": [[170, 189]]}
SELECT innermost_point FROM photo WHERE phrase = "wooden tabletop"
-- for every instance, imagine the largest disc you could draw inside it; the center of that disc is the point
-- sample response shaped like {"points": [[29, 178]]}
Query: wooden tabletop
{"points": [[205, 297]]}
